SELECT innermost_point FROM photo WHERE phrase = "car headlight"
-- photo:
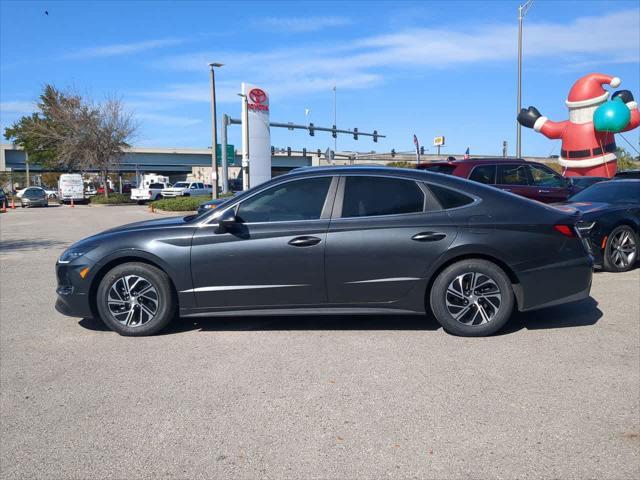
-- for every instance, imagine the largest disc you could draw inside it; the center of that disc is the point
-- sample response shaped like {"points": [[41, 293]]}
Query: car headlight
{"points": [[72, 254], [585, 227]]}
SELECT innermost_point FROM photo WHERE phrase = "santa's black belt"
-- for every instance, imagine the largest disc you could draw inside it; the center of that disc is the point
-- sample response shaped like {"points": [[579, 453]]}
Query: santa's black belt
{"points": [[588, 153]]}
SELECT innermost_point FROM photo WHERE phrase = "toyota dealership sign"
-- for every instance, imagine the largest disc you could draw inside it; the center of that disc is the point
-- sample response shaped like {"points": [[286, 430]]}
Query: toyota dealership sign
{"points": [[259, 134]]}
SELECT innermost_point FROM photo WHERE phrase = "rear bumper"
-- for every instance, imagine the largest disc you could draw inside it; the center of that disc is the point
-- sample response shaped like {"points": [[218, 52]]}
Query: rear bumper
{"points": [[554, 284]]}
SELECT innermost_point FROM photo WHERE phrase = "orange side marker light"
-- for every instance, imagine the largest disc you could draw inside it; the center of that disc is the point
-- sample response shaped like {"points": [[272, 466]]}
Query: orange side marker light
{"points": [[83, 272]]}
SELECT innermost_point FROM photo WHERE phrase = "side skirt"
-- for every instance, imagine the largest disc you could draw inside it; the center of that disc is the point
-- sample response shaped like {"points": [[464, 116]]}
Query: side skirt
{"points": [[302, 311]]}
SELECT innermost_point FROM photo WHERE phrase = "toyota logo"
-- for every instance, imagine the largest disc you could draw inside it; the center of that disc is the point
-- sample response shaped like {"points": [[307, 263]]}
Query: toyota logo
{"points": [[257, 95]]}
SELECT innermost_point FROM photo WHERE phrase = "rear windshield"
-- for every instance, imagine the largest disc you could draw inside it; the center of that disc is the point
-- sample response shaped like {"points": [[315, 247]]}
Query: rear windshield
{"points": [[181, 185], [34, 192], [156, 185], [610, 192], [447, 169]]}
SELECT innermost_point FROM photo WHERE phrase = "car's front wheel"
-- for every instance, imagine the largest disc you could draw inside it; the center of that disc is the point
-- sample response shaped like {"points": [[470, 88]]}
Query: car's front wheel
{"points": [[472, 298], [135, 299], [621, 249]]}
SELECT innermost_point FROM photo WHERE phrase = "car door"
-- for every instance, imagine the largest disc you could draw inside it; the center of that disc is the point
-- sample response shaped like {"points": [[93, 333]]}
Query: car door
{"points": [[551, 186], [381, 239], [515, 178], [273, 256]]}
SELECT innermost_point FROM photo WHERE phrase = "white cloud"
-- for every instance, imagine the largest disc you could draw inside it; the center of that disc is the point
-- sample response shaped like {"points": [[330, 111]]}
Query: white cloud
{"points": [[300, 24], [121, 49], [17, 107], [364, 62]]}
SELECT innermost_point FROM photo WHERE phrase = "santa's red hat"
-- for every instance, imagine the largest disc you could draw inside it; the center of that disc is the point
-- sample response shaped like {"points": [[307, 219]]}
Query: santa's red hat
{"points": [[588, 90]]}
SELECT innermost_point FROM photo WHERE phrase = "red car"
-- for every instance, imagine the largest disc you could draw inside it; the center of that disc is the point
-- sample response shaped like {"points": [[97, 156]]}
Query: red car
{"points": [[528, 179]]}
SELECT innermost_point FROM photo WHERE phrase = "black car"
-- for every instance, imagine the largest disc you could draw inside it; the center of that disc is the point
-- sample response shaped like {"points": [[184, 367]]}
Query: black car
{"points": [[634, 173], [335, 240], [580, 183], [611, 222]]}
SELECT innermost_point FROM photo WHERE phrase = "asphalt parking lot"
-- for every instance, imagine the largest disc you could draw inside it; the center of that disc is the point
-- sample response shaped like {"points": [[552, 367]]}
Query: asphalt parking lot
{"points": [[555, 395]]}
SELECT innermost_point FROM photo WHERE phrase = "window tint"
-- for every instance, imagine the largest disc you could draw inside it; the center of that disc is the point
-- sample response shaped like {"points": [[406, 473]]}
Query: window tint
{"points": [[484, 174], [447, 169], [369, 196], [449, 198], [512, 175], [296, 200], [543, 177]]}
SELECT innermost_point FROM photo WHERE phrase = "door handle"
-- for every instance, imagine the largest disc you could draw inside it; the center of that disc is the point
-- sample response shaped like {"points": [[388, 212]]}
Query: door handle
{"points": [[304, 241], [428, 236]]}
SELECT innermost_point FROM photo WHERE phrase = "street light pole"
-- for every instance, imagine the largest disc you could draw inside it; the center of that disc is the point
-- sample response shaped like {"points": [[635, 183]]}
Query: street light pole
{"points": [[335, 118], [214, 135], [245, 142], [522, 11]]}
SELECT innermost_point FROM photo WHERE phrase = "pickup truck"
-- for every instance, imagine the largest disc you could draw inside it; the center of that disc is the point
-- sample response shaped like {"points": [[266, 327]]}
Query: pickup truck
{"points": [[152, 192], [186, 189]]}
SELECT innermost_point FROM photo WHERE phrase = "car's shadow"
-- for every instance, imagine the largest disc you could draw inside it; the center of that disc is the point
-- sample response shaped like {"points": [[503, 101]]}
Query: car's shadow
{"points": [[578, 314]]}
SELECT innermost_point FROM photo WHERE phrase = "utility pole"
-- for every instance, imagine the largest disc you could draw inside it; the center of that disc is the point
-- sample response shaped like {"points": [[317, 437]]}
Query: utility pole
{"points": [[245, 142], [225, 160], [522, 11], [214, 135], [26, 166], [335, 118]]}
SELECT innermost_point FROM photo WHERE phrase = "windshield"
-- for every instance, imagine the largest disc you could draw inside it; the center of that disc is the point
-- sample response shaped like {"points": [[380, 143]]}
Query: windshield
{"points": [[181, 185], [610, 192]]}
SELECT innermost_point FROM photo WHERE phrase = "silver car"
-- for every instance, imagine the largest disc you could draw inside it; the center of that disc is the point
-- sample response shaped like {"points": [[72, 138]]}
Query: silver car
{"points": [[34, 197]]}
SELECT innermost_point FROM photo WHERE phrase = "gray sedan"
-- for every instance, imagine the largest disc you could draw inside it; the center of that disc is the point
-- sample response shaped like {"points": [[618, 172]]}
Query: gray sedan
{"points": [[34, 197]]}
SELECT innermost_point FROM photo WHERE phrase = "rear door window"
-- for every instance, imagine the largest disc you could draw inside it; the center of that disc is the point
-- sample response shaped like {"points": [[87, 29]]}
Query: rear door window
{"points": [[513, 175], [446, 169], [484, 174], [449, 198], [366, 196]]}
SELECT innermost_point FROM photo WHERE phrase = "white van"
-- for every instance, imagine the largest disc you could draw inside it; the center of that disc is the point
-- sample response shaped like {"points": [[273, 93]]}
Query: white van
{"points": [[71, 186]]}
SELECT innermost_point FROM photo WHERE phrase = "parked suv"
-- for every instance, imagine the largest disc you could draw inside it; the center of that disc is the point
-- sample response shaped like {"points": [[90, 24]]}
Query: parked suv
{"points": [[528, 179]]}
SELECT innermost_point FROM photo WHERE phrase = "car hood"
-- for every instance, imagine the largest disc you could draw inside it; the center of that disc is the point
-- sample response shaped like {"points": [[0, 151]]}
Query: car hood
{"points": [[160, 222]]}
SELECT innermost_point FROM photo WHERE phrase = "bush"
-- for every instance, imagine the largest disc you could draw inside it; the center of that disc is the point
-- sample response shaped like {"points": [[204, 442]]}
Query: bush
{"points": [[114, 199], [180, 204]]}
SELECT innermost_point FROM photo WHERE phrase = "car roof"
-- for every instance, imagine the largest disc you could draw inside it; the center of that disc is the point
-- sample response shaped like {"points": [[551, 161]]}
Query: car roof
{"points": [[481, 161]]}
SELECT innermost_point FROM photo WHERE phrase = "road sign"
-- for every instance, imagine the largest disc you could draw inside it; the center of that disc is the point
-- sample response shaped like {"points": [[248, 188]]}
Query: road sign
{"points": [[438, 142], [231, 156]]}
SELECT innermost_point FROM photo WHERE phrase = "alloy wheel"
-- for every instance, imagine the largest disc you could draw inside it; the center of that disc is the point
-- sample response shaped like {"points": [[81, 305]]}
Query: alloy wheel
{"points": [[133, 300], [622, 249], [473, 298]]}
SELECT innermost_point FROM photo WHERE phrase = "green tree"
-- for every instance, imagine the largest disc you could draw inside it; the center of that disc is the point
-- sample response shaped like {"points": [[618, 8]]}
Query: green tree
{"points": [[625, 160]]}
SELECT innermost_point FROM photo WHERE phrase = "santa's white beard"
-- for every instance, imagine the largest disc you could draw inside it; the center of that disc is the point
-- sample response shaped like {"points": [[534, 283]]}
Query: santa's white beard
{"points": [[583, 114]]}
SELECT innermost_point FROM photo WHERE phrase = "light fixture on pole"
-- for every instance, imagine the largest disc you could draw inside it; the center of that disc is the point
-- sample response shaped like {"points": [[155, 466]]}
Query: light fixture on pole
{"points": [[214, 135], [522, 11], [245, 141]]}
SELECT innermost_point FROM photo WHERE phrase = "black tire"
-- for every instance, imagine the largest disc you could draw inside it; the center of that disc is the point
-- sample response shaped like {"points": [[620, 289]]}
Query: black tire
{"points": [[496, 309], [616, 260], [166, 301], [140, 202], [158, 197], [186, 195]]}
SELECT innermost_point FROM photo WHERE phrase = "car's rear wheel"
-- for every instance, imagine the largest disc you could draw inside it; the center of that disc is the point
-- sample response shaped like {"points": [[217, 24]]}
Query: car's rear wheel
{"points": [[135, 299], [621, 249], [472, 298]]}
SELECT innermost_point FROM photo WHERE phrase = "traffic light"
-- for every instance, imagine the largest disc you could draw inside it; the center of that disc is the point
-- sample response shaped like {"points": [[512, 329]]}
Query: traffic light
{"points": [[375, 136], [311, 130], [355, 133], [289, 151], [304, 152], [334, 133], [273, 150], [319, 152], [393, 152], [422, 150]]}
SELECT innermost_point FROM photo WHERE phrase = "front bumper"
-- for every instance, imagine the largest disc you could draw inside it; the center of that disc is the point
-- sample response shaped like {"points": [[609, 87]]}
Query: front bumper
{"points": [[73, 291], [554, 284]]}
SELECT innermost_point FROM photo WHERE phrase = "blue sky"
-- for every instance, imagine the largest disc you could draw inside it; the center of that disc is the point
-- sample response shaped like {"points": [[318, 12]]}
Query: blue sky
{"points": [[430, 68]]}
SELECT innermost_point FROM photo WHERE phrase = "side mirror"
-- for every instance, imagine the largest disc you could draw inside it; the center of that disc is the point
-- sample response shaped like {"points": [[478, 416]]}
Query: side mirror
{"points": [[227, 221]]}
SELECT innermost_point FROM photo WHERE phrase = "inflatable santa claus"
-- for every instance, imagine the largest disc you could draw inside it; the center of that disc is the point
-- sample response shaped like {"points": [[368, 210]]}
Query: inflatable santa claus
{"points": [[588, 143]]}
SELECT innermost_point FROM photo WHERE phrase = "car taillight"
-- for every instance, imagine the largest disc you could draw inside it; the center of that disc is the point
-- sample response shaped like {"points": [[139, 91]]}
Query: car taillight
{"points": [[566, 230]]}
